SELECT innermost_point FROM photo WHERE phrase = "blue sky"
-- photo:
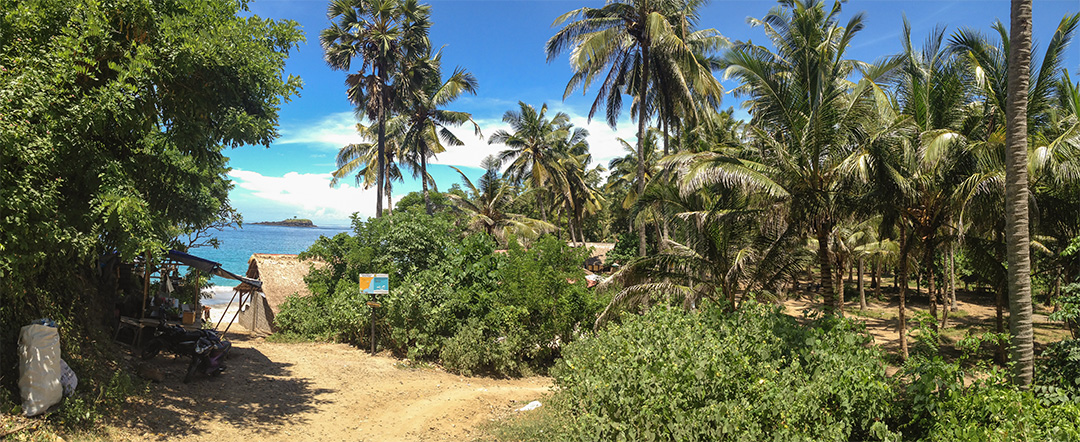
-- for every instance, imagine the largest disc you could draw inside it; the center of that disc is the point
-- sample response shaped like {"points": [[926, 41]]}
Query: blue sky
{"points": [[502, 43]]}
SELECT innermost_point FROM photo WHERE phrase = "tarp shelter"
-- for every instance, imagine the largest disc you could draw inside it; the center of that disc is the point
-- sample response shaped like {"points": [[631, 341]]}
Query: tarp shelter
{"points": [[172, 259], [211, 267], [282, 276]]}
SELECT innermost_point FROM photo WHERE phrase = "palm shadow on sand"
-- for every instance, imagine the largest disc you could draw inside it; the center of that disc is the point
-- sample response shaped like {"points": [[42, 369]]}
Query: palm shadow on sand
{"points": [[254, 394]]}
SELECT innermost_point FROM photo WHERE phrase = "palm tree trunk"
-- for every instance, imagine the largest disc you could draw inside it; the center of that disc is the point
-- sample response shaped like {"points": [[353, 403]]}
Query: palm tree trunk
{"points": [[381, 172], [541, 203], [828, 295], [931, 294], [952, 278], [862, 291], [641, 136], [877, 278], [1016, 195], [901, 275], [423, 183]]}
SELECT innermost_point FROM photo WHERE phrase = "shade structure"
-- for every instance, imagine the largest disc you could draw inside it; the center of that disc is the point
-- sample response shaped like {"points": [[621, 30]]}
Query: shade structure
{"points": [[211, 267]]}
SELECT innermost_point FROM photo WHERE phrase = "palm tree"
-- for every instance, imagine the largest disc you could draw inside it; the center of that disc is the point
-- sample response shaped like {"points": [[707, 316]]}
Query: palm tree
{"points": [[535, 148], [1001, 179], [486, 205], [1016, 194], [806, 115], [426, 127], [732, 245], [381, 33], [632, 40], [362, 158]]}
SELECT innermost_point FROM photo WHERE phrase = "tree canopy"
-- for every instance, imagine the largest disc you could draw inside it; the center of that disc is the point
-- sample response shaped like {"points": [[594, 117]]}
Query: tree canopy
{"points": [[114, 119]]}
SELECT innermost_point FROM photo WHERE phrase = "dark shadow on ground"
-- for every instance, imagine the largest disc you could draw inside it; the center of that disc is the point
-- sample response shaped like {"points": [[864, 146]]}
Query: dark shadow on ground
{"points": [[254, 393]]}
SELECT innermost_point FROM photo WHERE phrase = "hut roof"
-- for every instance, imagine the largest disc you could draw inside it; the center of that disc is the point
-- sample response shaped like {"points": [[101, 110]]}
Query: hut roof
{"points": [[281, 275], [599, 250]]}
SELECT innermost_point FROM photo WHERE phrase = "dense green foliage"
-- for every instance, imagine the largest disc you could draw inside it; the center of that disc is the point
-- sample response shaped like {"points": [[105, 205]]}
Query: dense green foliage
{"points": [[115, 117], [757, 374], [938, 404], [752, 375], [452, 298]]}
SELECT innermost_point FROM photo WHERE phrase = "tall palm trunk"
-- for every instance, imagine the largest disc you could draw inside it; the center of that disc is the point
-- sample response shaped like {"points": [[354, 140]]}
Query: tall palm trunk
{"points": [[1016, 195], [862, 291], [641, 137], [828, 295], [877, 278], [381, 172], [423, 182], [952, 279], [931, 294], [901, 282]]}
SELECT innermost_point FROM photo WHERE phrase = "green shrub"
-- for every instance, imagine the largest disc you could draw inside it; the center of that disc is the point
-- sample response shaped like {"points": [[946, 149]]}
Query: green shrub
{"points": [[754, 374], [452, 297], [938, 406], [1058, 372]]}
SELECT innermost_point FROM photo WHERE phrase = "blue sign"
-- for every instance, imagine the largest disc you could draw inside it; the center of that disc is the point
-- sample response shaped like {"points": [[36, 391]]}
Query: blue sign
{"points": [[375, 283]]}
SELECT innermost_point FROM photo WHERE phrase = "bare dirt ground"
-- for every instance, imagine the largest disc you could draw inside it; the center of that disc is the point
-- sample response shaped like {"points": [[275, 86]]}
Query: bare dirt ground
{"points": [[975, 313], [317, 392], [334, 392]]}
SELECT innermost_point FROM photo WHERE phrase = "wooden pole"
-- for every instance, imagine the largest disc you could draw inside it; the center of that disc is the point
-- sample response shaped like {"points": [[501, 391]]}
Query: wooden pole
{"points": [[146, 285], [373, 326]]}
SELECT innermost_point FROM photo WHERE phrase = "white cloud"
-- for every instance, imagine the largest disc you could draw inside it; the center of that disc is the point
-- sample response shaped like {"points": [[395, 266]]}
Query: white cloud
{"points": [[603, 140], [336, 130], [331, 132], [307, 195]]}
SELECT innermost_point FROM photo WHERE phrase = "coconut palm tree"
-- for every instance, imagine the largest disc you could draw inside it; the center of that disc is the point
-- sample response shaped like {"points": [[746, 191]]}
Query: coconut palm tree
{"points": [[1016, 194], [732, 246], [487, 204], [381, 33], [535, 148], [427, 121], [362, 159], [632, 40], [805, 113], [1000, 150]]}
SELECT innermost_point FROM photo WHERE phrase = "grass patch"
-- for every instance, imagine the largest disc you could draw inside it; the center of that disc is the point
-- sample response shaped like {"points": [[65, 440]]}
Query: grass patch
{"points": [[414, 365], [873, 314], [288, 338], [537, 425]]}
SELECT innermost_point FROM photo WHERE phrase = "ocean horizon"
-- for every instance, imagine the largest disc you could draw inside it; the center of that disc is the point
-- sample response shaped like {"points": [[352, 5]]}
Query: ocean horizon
{"points": [[237, 246]]}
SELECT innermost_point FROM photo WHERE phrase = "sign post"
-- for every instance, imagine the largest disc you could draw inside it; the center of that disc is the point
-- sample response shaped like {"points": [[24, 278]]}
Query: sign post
{"points": [[374, 284]]}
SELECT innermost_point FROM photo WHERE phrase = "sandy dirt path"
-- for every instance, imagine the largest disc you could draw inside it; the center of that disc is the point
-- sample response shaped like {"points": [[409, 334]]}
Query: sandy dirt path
{"points": [[317, 392]]}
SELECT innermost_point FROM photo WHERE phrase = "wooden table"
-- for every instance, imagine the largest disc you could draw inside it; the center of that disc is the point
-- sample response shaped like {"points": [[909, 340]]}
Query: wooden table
{"points": [[137, 325]]}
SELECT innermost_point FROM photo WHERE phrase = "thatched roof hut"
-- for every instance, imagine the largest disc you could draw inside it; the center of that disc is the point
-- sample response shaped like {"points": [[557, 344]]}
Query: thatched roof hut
{"points": [[281, 275], [597, 254]]}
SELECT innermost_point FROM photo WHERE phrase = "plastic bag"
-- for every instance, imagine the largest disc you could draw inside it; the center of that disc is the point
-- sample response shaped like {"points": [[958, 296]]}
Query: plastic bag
{"points": [[39, 368], [68, 380]]}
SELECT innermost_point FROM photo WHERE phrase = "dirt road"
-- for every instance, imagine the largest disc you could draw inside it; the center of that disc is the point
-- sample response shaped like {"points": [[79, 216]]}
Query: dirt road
{"points": [[317, 392]]}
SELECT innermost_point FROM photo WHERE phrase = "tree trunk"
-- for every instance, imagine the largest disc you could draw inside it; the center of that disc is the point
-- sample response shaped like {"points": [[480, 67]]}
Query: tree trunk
{"points": [[541, 202], [877, 279], [931, 293], [862, 291], [642, 118], [828, 295], [380, 173], [901, 282], [1016, 195], [423, 183], [952, 278], [999, 323]]}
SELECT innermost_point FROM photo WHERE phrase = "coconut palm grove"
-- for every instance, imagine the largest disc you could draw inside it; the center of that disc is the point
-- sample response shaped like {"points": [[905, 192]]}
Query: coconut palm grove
{"points": [[883, 249]]}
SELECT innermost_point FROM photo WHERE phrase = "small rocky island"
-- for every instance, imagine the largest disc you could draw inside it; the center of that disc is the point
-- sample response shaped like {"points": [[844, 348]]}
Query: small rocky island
{"points": [[294, 222]]}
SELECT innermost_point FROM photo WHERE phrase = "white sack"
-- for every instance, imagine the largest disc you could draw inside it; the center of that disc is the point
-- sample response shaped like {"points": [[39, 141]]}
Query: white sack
{"points": [[39, 368]]}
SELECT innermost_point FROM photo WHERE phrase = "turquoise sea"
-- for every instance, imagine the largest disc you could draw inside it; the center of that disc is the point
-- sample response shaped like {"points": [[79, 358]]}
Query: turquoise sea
{"points": [[237, 246]]}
